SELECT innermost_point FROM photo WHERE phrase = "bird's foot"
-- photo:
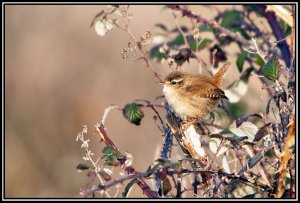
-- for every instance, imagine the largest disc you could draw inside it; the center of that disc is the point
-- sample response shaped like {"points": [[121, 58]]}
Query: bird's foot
{"points": [[186, 124]]}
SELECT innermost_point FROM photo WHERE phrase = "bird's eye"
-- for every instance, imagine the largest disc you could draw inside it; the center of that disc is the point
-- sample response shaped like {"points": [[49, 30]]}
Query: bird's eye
{"points": [[173, 82]]}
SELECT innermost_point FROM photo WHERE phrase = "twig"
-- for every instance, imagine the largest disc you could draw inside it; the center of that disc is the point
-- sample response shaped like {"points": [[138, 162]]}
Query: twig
{"points": [[215, 154], [142, 52], [106, 112], [88, 155], [257, 49], [129, 169], [250, 164], [200, 61], [222, 105], [261, 166], [154, 170], [235, 36], [264, 36], [156, 112]]}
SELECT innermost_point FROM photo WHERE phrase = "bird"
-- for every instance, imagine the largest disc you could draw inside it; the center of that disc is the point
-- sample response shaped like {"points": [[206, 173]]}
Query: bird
{"points": [[193, 96]]}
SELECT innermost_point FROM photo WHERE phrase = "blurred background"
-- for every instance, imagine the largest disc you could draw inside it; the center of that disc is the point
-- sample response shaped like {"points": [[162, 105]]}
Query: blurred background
{"points": [[60, 75]]}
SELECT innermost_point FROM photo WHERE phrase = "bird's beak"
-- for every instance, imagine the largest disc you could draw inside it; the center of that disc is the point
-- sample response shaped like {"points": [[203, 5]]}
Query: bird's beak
{"points": [[160, 83]]}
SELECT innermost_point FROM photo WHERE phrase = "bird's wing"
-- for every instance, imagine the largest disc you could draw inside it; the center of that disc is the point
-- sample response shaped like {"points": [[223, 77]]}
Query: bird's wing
{"points": [[206, 90]]}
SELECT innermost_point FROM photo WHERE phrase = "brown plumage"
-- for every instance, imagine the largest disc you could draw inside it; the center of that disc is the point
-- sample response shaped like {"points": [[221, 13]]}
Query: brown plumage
{"points": [[194, 96]]}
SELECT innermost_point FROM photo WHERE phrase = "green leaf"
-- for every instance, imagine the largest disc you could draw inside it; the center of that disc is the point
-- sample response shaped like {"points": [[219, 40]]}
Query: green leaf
{"points": [[202, 43], [160, 161], [230, 17], [133, 113], [82, 167], [179, 40], [155, 53], [240, 60], [111, 160], [128, 187], [161, 27], [285, 27], [206, 28], [270, 153], [271, 69], [118, 155], [176, 166], [260, 61], [108, 149], [232, 21], [288, 180], [237, 110]]}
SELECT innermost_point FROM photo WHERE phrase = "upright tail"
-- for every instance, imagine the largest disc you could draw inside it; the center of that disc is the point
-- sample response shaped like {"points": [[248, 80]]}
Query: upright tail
{"points": [[218, 77]]}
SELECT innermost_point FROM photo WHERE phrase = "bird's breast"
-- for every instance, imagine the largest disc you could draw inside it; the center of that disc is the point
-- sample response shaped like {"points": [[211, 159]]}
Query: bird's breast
{"points": [[188, 107]]}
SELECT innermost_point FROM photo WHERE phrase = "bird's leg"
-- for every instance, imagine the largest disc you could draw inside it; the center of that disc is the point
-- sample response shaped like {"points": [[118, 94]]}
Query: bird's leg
{"points": [[186, 124]]}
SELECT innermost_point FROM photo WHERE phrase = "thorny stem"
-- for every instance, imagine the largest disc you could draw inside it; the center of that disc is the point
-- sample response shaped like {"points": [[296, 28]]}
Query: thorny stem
{"points": [[129, 169], [189, 14]]}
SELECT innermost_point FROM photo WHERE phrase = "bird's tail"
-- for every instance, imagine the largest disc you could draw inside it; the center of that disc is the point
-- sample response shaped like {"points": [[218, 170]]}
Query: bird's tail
{"points": [[218, 77]]}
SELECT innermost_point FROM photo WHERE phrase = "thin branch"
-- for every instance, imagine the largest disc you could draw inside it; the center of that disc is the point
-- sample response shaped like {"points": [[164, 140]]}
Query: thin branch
{"points": [[106, 112], [200, 61], [156, 112], [250, 164], [88, 155], [170, 172], [142, 52], [129, 169], [261, 166], [235, 36], [258, 33]]}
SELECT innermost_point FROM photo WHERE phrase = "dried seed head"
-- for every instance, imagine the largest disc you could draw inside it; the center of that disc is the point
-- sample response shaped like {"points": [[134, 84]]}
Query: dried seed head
{"points": [[131, 47], [196, 33], [124, 53]]}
